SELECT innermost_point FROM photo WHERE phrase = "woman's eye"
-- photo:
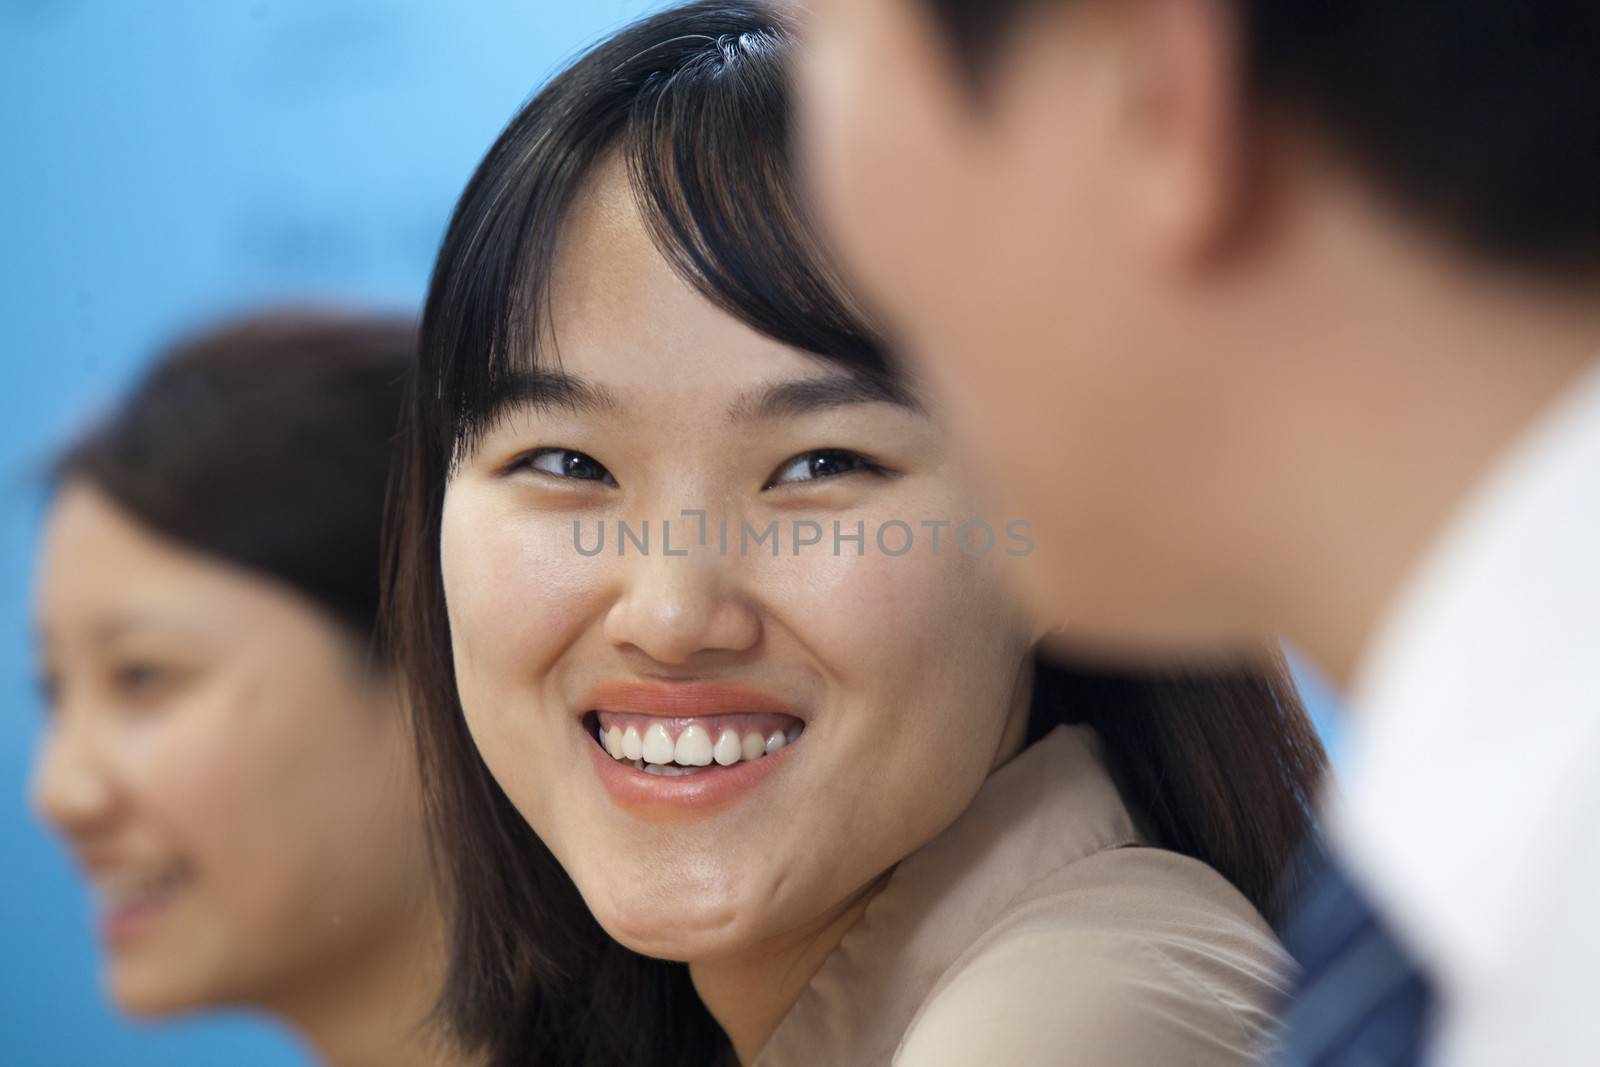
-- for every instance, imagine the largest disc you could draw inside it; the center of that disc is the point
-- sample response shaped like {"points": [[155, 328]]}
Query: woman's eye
{"points": [[138, 679], [566, 463], [48, 687], [824, 463], [141, 682]]}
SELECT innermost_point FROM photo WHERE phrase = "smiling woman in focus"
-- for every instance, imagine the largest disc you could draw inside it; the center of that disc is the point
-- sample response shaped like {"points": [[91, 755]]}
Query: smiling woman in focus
{"points": [[831, 806]]}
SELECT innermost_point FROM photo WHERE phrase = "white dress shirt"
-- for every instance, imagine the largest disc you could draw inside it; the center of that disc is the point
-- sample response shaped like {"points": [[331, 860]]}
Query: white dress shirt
{"points": [[1470, 804]]}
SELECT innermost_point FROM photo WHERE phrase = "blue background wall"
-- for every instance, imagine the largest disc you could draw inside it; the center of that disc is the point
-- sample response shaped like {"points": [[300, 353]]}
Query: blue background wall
{"points": [[165, 163]]}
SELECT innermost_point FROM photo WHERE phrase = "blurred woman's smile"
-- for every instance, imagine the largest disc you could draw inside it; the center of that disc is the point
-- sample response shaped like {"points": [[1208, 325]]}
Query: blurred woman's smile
{"points": [[131, 894]]}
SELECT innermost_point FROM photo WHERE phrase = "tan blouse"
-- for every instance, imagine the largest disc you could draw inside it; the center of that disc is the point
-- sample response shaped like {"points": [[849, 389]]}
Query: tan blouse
{"points": [[1039, 930]]}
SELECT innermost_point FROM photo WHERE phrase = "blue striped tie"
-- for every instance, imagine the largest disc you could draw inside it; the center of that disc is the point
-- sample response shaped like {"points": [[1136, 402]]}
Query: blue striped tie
{"points": [[1359, 1001]]}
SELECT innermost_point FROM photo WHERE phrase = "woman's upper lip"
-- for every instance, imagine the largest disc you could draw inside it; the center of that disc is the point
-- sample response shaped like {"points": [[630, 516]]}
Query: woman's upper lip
{"points": [[684, 699], [97, 861]]}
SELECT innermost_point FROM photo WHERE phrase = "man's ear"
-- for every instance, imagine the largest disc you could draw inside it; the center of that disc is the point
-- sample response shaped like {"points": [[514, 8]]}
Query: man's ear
{"points": [[1184, 93], [1164, 81]]}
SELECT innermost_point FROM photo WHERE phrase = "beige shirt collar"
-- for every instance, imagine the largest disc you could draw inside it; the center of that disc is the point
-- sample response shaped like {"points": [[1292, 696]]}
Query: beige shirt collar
{"points": [[1053, 804]]}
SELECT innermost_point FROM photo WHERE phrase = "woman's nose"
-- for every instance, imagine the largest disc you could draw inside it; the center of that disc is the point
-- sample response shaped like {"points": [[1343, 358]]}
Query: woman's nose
{"points": [[72, 790], [674, 608]]}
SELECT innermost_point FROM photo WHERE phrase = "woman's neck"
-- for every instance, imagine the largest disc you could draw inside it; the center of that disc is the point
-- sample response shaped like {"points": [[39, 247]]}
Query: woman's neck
{"points": [[375, 1011], [749, 994]]}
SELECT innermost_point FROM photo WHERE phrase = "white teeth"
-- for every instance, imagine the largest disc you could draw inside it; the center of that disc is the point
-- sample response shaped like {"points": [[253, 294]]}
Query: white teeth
{"points": [[122, 889], [752, 747], [667, 770], [728, 751], [694, 747], [658, 746]]}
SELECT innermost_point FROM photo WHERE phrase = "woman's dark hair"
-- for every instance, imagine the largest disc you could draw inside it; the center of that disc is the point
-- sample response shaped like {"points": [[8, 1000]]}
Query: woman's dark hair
{"points": [[265, 443], [694, 101], [1480, 115]]}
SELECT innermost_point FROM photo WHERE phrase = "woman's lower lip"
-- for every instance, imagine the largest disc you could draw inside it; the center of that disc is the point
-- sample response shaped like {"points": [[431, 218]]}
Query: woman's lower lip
{"points": [[676, 796], [120, 924]]}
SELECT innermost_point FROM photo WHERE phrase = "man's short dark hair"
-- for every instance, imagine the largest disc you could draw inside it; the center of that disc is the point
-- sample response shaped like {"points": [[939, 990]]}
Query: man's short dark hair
{"points": [[1482, 116]]}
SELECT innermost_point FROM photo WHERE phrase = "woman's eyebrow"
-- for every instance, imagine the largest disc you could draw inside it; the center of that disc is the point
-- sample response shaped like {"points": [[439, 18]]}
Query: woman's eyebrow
{"points": [[792, 398], [541, 389], [807, 396], [114, 628]]}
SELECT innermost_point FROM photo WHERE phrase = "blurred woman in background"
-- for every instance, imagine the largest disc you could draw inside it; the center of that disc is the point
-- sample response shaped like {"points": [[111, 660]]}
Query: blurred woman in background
{"points": [[225, 752]]}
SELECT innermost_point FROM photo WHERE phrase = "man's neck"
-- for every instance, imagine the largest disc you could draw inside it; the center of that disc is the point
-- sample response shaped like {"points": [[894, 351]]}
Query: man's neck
{"points": [[1413, 379]]}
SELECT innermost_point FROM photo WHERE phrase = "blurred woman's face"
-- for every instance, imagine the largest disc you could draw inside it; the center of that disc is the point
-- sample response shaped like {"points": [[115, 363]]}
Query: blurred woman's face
{"points": [[722, 741], [235, 787]]}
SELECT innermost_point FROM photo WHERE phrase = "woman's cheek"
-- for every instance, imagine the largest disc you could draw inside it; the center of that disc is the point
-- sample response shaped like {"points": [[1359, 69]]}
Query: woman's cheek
{"points": [[186, 769], [204, 789], [517, 595], [855, 609], [512, 582]]}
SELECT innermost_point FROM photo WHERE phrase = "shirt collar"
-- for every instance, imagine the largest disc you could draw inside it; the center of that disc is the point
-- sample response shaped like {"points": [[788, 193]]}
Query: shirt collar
{"points": [[1475, 723], [1053, 804]]}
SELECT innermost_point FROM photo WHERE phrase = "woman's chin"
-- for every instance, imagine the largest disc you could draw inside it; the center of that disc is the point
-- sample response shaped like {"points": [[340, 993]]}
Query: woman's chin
{"points": [[144, 993], [684, 935]]}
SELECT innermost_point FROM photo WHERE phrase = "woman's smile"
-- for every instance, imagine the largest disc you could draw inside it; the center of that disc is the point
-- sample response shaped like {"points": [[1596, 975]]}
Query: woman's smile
{"points": [[131, 895], [687, 746]]}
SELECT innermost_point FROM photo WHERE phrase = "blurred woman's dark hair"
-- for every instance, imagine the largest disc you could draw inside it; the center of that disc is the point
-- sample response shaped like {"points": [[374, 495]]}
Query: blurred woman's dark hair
{"points": [[1482, 116], [265, 443], [695, 101]]}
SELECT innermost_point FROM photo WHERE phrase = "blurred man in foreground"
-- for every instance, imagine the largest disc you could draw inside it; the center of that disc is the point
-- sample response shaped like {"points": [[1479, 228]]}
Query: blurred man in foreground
{"points": [[1281, 316]]}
